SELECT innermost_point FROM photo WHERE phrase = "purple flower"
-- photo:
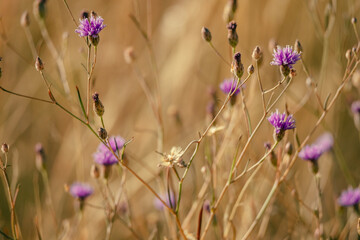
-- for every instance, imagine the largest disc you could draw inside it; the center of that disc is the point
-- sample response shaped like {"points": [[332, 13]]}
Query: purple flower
{"points": [[160, 206], [350, 197], [311, 153], [81, 190], [285, 57], [90, 27], [325, 142], [104, 156], [355, 107], [229, 86], [281, 122]]}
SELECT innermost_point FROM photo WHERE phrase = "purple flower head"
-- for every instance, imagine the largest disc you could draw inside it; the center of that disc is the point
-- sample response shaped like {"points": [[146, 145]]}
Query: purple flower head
{"points": [[229, 86], [281, 122], [104, 156], [81, 190], [160, 206], [90, 27], [285, 56], [355, 107], [325, 142], [350, 197], [311, 153]]}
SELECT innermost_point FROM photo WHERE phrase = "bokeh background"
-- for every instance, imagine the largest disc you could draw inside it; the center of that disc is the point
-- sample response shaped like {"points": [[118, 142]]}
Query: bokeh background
{"points": [[188, 68]]}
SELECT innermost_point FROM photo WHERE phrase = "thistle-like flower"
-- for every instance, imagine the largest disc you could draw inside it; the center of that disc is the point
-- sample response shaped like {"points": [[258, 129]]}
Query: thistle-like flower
{"points": [[325, 142], [281, 122], [311, 153], [174, 157], [229, 86], [349, 197], [285, 58], [91, 27], [104, 156], [81, 190]]}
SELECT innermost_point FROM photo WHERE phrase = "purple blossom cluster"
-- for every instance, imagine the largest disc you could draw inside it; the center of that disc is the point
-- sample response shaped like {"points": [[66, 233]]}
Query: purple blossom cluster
{"points": [[286, 57], [90, 26], [229, 86], [312, 152], [81, 190], [349, 197], [104, 156], [281, 123]]}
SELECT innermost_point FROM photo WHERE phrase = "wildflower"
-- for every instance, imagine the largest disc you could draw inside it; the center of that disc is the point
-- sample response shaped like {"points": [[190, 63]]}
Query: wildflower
{"points": [[174, 157], [81, 190], [91, 27], [257, 53], [104, 156], [311, 152], [285, 58], [281, 122], [169, 199], [349, 197], [228, 86]]}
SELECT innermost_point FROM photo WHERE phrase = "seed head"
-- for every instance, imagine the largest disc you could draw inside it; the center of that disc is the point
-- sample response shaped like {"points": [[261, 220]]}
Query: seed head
{"points": [[206, 34]]}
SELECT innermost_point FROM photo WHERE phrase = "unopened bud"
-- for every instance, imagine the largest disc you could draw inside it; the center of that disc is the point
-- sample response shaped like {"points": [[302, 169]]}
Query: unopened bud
{"points": [[93, 14], [102, 133], [348, 54], [129, 55], [40, 158], [84, 14], [292, 73], [237, 66], [285, 70], [297, 46], [251, 69], [206, 34], [94, 39], [25, 19], [106, 171], [39, 65], [354, 20], [39, 8], [97, 105], [94, 172], [314, 166], [272, 156], [289, 148], [232, 35], [5, 148], [257, 53]]}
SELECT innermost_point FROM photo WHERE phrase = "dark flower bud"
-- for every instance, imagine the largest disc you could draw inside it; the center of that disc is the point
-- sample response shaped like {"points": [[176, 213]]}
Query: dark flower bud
{"points": [[39, 8], [354, 20], [207, 206], [40, 158], [25, 19], [292, 73], [297, 46], [94, 172], [314, 166], [94, 39], [232, 35], [206, 34], [97, 105], [39, 65], [102, 133], [5, 148], [251, 69], [93, 14], [289, 148], [129, 55], [84, 14], [257, 53], [237, 66]]}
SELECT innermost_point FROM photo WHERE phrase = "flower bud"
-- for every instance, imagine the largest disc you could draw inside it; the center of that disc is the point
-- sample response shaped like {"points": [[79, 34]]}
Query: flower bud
{"points": [[285, 70], [257, 53], [129, 55], [354, 20], [97, 105], [84, 14], [94, 39], [25, 19], [272, 156], [39, 8], [232, 35], [40, 158], [297, 46], [39, 65], [292, 73], [102, 133], [237, 66], [94, 172], [206, 34], [5, 148], [289, 148], [314, 166], [251, 69]]}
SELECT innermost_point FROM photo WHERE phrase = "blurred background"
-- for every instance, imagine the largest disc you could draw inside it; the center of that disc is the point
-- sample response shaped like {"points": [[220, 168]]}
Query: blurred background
{"points": [[188, 71]]}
